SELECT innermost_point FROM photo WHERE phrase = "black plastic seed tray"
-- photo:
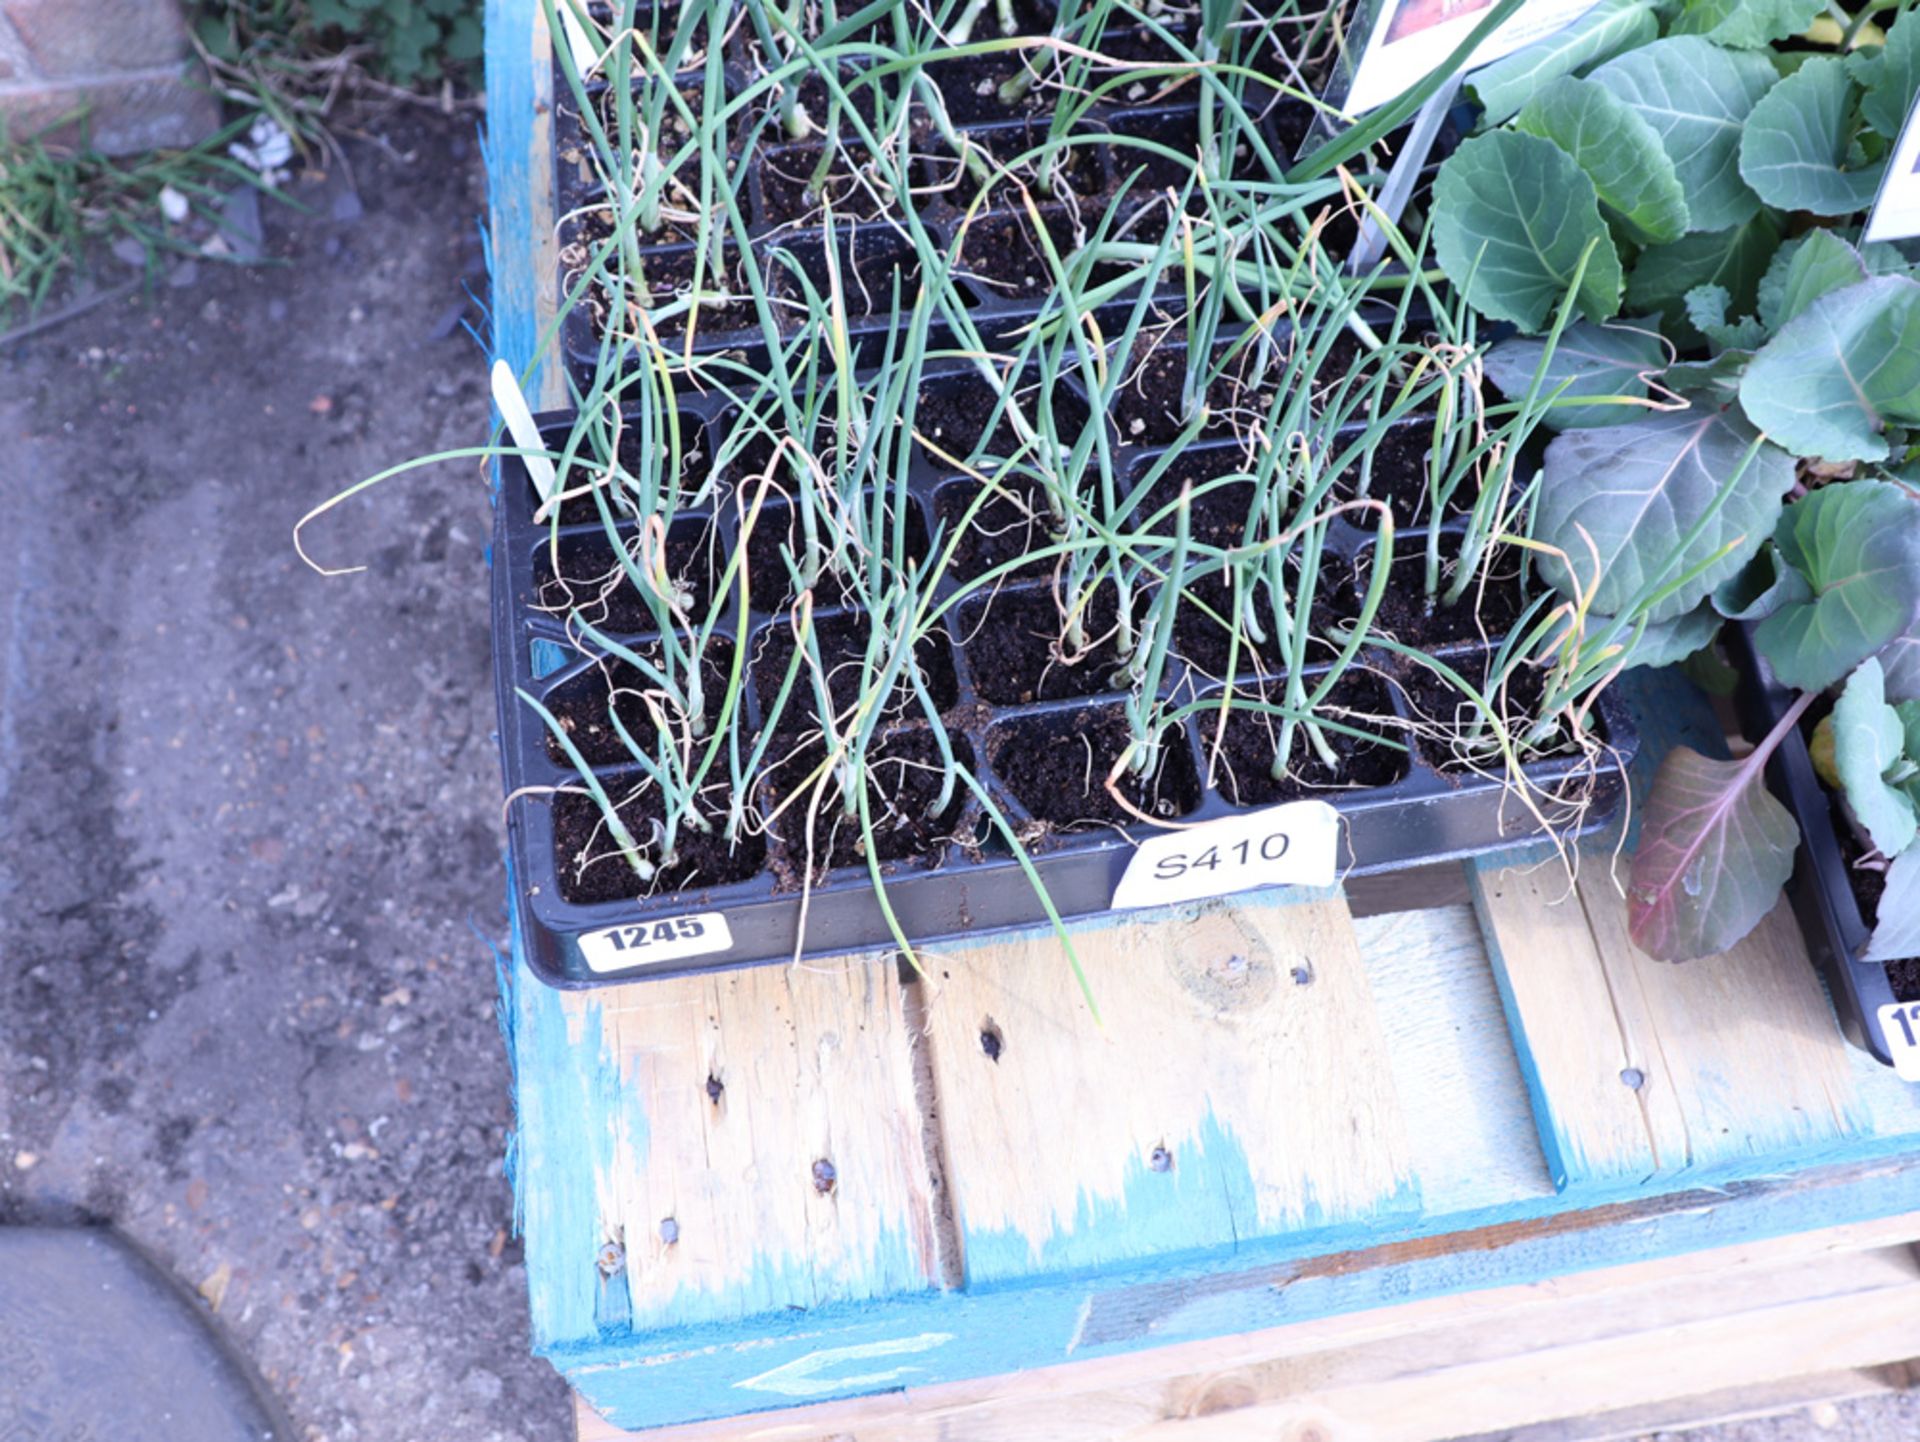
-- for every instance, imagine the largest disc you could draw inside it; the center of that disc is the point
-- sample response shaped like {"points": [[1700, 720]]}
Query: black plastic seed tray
{"points": [[1002, 270], [999, 719], [1822, 895]]}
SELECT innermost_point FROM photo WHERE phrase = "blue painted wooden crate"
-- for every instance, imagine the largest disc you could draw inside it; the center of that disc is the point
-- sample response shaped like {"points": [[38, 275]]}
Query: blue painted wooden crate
{"points": [[784, 1185]]}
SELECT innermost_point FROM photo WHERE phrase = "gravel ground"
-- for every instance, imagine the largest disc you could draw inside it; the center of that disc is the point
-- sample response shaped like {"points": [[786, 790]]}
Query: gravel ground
{"points": [[249, 817]]}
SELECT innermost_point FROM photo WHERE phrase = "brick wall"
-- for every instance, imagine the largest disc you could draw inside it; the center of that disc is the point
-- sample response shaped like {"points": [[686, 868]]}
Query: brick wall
{"points": [[120, 59]]}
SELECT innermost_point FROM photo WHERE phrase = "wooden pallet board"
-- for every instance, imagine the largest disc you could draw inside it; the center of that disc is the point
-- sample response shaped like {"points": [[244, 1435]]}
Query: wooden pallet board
{"points": [[1073, 1144], [1435, 1112], [1775, 1323]]}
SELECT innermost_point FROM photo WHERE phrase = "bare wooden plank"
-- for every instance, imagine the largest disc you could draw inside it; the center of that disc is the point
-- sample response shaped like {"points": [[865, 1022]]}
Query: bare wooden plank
{"points": [[1771, 1398], [1237, 1088], [550, 385], [1827, 1301], [1643, 1071], [718, 1147]]}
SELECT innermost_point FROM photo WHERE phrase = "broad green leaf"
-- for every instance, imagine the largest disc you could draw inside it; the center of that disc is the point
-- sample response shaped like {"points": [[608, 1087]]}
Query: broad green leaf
{"points": [[1697, 96], [1837, 374], [1665, 273], [1715, 849], [1631, 495], [1707, 313], [1892, 79], [1896, 921], [1614, 359], [1803, 270], [1512, 217], [1882, 257], [1867, 741], [1796, 143], [1505, 87], [1760, 588], [1713, 382], [1661, 643], [1667, 643], [1745, 24], [1620, 152], [1858, 545], [1900, 660]]}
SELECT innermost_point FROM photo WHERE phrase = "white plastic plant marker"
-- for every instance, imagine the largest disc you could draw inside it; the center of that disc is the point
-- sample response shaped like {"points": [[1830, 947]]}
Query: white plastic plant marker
{"points": [[512, 403], [1405, 41], [1900, 1025], [1295, 844], [586, 55], [1896, 209], [645, 943]]}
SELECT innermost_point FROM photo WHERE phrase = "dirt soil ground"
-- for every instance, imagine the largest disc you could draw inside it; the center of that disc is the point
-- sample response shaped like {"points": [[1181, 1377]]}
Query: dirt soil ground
{"points": [[250, 818]]}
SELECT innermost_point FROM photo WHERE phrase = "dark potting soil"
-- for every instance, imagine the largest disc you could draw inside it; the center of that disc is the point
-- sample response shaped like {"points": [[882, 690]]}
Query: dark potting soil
{"points": [[1076, 168], [814, 103], [1488, 610], [1399, 478], [1002, 254], [970, 89], [1217, 513], [1149, 406], [842, 640], [1012, 523], [904, 775], [786, 181], [669, 277], [879, 272], [780, 526], [593, 869], [584, 509], [1244, 770], [594, 582], [1437, 703], [953, 413], [1012, 639], [1056, 765], [586, 704], [1201, 639]]}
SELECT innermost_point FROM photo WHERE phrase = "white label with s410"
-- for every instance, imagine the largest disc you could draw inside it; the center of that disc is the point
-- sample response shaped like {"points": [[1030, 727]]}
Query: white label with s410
{"points": [[1292, 845], [1900, 1025], [645, 942]]}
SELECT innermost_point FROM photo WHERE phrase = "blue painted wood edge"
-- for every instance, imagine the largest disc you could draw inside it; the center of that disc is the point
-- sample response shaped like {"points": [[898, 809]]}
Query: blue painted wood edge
{"points": [[704, 1373]]}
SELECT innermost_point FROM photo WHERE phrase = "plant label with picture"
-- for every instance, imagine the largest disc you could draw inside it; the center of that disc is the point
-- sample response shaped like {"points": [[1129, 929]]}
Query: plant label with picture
{"points": [[1896, 209], [645, 943], [1900, 1025], [1292, 845], [1407, 40]]}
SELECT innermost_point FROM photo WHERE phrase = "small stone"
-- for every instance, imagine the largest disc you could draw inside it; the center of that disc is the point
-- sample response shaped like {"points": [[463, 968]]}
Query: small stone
{"points": [[173, 205], [129, 251], [25, 1161], [347, 207], [184, 274]]}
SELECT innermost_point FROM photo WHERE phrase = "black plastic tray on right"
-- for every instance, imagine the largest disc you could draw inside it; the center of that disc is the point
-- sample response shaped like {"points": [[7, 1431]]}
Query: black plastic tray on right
{"points": [[1822, 896]]}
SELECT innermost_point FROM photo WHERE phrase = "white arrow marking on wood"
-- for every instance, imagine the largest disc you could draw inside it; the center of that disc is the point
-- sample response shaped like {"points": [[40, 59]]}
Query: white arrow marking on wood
{"points": [[800, 1377]]}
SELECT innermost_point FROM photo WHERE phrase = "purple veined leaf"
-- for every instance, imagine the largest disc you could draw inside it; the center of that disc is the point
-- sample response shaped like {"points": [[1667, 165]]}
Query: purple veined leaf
{"points": [[1715, 849]]}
